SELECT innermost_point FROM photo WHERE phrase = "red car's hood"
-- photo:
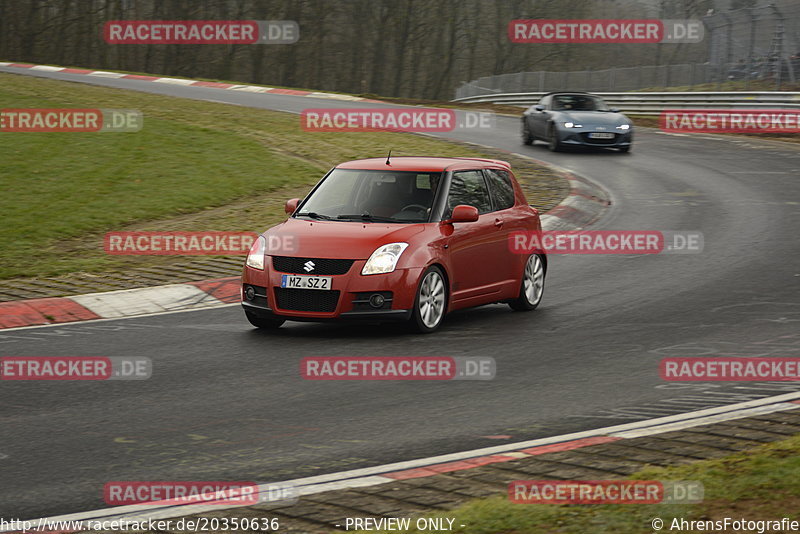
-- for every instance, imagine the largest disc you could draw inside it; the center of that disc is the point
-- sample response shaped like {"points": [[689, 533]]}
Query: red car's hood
{"points": [[329, 239]]}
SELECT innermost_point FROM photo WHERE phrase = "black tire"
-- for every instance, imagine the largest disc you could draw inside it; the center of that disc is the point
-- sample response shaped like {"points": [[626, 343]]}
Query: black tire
{"points": [[417, 323], [525, 301], [625, 149], [527, 138], [265, 323], [552, 140]]}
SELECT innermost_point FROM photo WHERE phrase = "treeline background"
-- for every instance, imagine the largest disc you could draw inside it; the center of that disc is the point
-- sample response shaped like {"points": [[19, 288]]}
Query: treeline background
{"points": [[405, 48]]}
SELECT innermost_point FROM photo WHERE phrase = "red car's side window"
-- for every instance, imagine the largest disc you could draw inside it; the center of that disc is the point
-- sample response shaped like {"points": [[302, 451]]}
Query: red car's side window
{"points": [[501, 187], [469, 187]]}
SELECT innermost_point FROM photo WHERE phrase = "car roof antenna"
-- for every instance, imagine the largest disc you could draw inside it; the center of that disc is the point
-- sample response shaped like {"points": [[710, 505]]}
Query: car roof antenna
{"points": [[388, 157]]}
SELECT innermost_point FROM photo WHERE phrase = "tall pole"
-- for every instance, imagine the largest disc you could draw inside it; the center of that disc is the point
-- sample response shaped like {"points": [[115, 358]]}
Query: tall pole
{"points": [[751, 47], [779, 29]]}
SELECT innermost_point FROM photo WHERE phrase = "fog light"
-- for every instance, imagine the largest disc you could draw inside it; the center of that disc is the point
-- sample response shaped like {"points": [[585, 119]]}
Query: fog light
{"points": [[250, 293], [376, 300]]}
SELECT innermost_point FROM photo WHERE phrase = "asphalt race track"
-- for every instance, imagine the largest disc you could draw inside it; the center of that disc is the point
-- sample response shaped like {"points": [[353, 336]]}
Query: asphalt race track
{"points": [[227, 402]]}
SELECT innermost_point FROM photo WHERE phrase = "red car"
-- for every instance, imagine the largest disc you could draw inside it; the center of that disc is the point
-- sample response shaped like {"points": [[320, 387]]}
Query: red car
{"points": [[403, 238]]}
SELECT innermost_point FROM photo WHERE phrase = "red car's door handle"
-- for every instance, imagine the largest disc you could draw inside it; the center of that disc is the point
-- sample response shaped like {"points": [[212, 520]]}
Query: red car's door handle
{"points": [[498, 222]]}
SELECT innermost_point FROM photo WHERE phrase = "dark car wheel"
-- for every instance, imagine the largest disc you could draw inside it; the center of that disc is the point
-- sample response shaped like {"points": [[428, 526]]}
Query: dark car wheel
{"points": [[532, 287], [267, 323], [527, 138], [552, 140], [431, 302], [625, 149]]}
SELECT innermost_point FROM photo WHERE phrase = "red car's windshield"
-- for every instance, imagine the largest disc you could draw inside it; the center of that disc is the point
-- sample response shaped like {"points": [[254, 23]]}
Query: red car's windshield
{"points": [[378, 196]]}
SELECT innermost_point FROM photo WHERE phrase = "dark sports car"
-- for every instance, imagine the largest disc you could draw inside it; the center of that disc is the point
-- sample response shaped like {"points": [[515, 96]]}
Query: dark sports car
{"points": [[576, 119]]}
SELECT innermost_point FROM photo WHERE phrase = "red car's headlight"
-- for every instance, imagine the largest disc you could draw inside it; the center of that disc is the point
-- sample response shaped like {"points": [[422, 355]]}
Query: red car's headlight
{"points": [[384, 259], [255, 258]]}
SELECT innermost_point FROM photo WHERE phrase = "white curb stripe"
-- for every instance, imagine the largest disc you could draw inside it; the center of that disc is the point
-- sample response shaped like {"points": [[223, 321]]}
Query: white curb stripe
{"points": [[547, 221], [47, 68], [671, 427], [104, 74], [250, 88], [210, 306], [128, 302], [335, 96], [176, 81]]}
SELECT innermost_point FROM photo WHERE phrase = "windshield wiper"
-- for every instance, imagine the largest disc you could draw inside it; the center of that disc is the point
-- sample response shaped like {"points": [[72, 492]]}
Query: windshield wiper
{"points": [[314, 215], [368, 217]]}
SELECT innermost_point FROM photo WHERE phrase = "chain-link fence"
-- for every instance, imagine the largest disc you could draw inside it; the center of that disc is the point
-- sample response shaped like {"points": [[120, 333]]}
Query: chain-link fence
{"points": [[607, 80], [759, 43], [756, 43]]}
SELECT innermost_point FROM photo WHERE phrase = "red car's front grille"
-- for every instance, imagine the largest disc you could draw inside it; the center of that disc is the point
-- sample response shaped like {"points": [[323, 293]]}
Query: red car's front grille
{"points": [[310, 300], [321, 266]]}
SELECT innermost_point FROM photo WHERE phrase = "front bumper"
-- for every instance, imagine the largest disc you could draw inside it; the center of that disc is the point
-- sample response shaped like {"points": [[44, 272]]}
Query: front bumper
{"points": [[578, 137], [351, 292], [378, 315]]}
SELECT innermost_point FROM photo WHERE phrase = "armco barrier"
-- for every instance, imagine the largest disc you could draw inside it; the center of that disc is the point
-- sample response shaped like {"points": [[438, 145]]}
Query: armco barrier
{"points": [[654, 103]]}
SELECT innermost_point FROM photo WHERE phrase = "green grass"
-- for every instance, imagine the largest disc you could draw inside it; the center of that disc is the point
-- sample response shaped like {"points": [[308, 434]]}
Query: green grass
{"points": [[763, 483], [60, 192]]}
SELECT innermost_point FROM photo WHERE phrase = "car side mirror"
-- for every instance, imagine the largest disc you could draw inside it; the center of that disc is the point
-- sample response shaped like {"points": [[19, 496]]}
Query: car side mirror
{"points": [[464, 213], [291, 205], [614, 110], [539, 108]]}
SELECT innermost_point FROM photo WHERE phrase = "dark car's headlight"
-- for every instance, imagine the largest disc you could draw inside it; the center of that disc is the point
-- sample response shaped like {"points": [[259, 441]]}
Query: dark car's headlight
{"points": [[624, 127], [572, 125]]}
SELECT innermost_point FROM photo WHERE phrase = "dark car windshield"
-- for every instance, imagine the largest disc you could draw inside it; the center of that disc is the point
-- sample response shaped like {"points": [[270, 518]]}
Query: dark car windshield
{"points": [[373, 196], [578, 103]]}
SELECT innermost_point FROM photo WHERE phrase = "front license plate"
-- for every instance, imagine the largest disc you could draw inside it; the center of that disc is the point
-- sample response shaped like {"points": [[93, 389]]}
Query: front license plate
{"points": [[601, 135], [305, 282]]}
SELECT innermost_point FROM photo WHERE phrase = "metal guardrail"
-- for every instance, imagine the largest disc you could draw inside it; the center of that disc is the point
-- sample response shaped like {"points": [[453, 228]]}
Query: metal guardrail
{"points": [[654, 103]]}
